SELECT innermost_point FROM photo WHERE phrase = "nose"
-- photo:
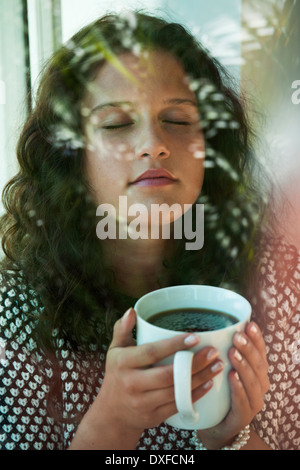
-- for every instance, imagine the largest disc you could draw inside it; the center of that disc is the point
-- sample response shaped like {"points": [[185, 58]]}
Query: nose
{"points": [[152, 144]]}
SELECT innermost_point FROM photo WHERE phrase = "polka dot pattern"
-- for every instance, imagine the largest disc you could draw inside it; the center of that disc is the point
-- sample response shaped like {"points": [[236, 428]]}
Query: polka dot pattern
{"points": [[277, 311]]}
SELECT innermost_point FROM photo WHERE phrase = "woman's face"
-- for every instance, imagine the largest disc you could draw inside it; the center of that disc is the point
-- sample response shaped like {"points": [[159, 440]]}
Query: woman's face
{"points": [[141, 116]]}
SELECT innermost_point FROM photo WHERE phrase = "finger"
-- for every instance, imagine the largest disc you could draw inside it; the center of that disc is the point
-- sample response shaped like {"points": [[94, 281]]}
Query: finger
{"points": [[255, 357], [203, 358], [254, 332], [122, 336], [169, 408], [207, 374], [149, 354], [162, 400], [240, 407], [253, 387], [205, 367]]}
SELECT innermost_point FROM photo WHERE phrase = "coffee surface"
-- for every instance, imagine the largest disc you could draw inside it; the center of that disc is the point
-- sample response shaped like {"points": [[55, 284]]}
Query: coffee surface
{"points": [[192, 319]]}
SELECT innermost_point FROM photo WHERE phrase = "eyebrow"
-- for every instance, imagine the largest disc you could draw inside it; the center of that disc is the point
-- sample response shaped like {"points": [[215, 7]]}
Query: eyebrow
{"points": [[178, 101], [114, 104], [120, 104]]}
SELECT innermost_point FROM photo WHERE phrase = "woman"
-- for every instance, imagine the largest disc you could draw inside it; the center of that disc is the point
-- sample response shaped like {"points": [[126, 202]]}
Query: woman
{"points": [[126, 97]]}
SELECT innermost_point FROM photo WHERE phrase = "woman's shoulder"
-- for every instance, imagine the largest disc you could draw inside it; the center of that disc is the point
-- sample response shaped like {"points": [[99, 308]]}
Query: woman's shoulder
{"points": [[276, 296], [14, 285], [23, 319], [279, 260], [19, 308]]}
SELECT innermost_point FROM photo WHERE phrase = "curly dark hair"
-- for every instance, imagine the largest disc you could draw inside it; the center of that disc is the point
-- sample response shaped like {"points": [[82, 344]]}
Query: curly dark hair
{"points": [[48, 231]]}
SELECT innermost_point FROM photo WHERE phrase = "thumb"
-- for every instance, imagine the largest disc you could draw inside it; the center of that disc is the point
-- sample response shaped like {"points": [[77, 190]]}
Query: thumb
{"points": [[122, 336]]}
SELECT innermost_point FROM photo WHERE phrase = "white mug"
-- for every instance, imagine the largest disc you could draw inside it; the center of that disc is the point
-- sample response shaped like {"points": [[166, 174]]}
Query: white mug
{"points": [[212, 408]]}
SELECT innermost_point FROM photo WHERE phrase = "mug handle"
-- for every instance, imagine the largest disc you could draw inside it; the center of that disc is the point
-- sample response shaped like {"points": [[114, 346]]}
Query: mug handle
{"points": [[182, 372]]}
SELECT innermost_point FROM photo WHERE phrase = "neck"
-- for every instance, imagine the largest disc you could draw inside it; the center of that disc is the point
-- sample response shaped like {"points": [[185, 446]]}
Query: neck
{"points": [[138, 264]]}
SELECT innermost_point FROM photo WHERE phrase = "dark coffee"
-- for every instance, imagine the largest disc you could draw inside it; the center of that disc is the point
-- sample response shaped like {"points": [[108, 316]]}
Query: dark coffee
{"points": [[192, 319]]}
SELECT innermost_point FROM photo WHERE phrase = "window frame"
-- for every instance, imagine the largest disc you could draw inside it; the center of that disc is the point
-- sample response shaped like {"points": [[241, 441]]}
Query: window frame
{"points": [[45, 35], [29, 35]]}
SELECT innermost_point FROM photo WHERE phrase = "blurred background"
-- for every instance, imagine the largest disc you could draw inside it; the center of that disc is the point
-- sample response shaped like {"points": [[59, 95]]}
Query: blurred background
{"points": [[257, 41]]}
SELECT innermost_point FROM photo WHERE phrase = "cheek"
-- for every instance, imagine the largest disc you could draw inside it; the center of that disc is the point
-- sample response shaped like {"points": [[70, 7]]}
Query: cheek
{"points": [[93, 173], [113, 150], [197, 175], [107, 176], [193, 176], [194, 168]]}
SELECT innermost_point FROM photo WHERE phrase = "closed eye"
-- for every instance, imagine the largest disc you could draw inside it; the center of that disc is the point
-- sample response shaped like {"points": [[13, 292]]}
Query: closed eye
{"points": [[117, 126], [178, 123]]}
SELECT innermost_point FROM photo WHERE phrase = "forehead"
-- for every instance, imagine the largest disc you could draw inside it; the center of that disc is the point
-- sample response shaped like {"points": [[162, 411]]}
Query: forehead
{"points": [[130, 77]]}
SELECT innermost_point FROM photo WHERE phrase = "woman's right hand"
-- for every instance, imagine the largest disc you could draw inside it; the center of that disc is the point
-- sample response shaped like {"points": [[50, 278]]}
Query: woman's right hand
{"points": [[135, 395]]}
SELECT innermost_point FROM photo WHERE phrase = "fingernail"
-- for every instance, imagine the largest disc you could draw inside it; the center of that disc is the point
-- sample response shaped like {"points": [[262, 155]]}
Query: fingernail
{"points": [[237, 355], [237, 376], [126, 314], [191, 340], [240, 339], [207, 384], [212, 354], [217, 367], [253, 329]]}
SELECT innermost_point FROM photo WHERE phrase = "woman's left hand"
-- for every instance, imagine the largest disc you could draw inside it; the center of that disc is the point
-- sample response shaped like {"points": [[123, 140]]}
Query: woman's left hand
{"points": [[249, 383]]}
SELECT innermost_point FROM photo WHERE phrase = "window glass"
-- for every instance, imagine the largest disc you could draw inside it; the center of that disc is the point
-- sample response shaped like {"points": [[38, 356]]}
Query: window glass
{"points": [[217, 25], [13, 85], [271, 74], [257, 41], [29, 32], [32, 29]]}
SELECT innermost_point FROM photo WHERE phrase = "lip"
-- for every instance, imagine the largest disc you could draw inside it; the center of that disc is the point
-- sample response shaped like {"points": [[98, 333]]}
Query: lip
{"points": [[155, 177]]}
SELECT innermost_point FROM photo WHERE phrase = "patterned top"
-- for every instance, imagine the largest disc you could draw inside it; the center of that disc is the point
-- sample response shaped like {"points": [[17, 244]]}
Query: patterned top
{"points": [[42, 399], [277, 311]]}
